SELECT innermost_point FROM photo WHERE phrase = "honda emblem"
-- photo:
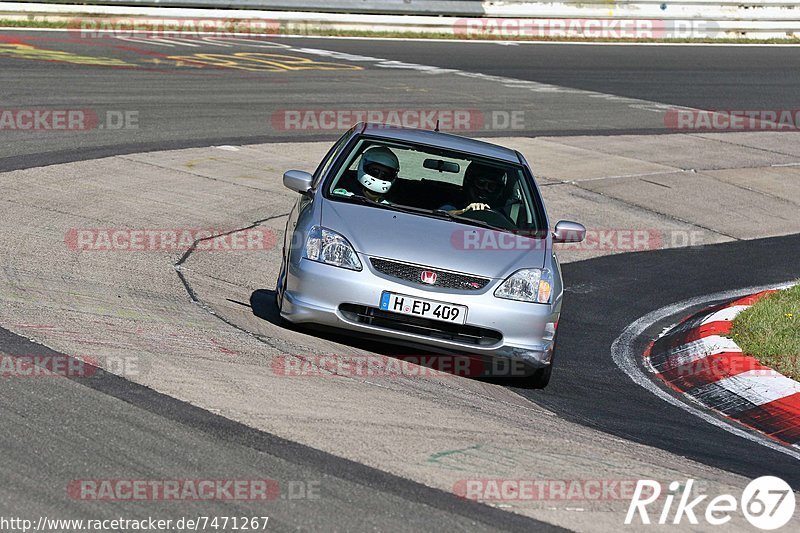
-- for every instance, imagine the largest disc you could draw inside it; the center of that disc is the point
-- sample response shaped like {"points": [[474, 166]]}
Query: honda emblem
{"points": [[428, 277]]}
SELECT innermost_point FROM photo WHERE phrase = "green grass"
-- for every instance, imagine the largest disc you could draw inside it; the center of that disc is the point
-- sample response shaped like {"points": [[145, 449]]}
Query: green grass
{"points": [[770, 331], [323, 32]]}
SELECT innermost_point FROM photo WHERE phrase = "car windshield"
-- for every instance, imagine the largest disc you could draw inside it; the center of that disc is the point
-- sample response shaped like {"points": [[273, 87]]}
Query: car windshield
{"points": [[429, 181]]}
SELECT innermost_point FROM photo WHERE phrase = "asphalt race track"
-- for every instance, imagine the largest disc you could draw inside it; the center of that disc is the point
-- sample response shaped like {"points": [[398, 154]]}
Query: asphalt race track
{"points": [[606, 295], [180, 102], [716, 77], [95, 418]]}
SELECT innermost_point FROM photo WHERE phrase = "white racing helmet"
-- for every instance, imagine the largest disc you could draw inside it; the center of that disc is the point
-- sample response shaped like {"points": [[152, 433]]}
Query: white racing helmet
{"points": [[378, 169]]}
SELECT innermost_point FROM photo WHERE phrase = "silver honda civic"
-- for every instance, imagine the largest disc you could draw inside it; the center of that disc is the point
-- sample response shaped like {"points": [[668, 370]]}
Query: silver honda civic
{"points": [[429, 240]]}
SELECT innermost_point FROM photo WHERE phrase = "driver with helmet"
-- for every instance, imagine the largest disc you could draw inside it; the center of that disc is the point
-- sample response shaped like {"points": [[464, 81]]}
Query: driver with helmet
{"points": [[483, 185], [377, 171]]}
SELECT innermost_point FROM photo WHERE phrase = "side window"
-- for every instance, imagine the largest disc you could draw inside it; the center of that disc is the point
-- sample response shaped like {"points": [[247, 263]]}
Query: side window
{"points": [[330, 157]]}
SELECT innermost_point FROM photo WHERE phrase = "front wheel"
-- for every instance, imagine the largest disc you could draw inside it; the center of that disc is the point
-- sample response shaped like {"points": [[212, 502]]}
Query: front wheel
{"points": [[278, 295], [280, 288], [541, 377]]}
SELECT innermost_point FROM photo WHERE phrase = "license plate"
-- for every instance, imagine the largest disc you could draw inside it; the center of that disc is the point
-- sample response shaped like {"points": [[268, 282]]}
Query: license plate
{"points": [[409, 305]]}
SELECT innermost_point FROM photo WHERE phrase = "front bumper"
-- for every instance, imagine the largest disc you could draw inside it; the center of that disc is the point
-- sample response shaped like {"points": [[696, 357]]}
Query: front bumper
{"points": [[315, 294]]}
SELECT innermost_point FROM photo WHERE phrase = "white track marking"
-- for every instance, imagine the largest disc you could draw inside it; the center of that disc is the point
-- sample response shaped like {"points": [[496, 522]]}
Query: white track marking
{"points": [[177, 41], [695, 351], [758, 387], [512, 83], [251, 42], [144, 40], [625, 358], [171, 42], [225, 42], [216, 42], [725, 315]]}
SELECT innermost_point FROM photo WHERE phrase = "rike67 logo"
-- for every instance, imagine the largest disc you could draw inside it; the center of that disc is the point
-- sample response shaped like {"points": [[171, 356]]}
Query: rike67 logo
{"points": [[767, 502]]}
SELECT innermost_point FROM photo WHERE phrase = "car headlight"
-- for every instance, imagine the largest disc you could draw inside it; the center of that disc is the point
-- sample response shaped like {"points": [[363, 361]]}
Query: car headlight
{"points": [[326, 246], [527, 285]]}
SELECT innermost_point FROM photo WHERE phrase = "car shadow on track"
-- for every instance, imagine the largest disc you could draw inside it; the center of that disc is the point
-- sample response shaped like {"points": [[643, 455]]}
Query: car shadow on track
{"points": [[262, 303]]}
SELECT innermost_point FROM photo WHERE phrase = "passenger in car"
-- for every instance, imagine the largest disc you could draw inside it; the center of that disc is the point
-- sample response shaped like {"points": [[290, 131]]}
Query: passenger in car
{"points": [[377, 171]]}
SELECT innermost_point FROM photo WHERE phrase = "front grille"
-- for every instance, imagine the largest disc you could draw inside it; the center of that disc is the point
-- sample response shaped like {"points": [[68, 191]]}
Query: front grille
{"points": [[434, 329], [414, 273]]}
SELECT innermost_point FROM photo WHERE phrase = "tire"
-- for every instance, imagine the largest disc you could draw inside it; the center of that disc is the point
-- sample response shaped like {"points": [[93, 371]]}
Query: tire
{"points": [[541, 377], [280, 289], [278, 299]]}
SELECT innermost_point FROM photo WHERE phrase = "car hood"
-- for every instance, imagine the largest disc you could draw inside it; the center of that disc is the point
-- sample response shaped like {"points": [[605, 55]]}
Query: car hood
{"points": [[434, 242]]}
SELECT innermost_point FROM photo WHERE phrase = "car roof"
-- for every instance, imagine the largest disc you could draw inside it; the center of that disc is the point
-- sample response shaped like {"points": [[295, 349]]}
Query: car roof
{"points": [[440, 140]]}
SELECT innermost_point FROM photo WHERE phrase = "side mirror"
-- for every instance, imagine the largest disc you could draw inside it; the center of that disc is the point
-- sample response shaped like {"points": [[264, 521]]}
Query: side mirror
{"points": [[567, 231], [298, 181]]}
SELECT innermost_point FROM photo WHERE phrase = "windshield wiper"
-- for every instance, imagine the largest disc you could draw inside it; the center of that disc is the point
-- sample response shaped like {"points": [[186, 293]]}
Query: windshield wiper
{"points": [[392, 207], [438, 213], [415, 210], [357, 199], [471, 221]]}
